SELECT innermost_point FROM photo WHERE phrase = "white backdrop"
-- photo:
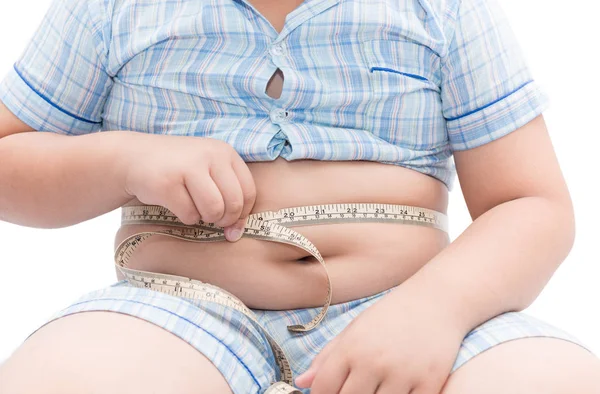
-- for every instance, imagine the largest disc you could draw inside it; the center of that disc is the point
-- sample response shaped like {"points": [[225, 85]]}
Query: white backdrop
{"points": [[42, 271]]}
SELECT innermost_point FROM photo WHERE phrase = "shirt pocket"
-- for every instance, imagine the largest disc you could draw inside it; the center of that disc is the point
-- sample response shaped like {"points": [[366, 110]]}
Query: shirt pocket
{"points": [[400, 67]]}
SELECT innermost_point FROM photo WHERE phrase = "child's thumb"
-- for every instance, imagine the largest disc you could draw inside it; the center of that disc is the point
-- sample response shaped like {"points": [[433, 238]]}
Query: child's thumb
{"points": [[236, 230]]}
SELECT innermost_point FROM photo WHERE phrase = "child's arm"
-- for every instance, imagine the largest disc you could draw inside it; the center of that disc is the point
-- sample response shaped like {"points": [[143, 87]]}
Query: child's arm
{"points": [[55, 180]]}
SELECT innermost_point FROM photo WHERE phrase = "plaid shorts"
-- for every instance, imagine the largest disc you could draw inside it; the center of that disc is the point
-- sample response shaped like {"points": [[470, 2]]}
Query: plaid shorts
{"points": [[239, 349]]}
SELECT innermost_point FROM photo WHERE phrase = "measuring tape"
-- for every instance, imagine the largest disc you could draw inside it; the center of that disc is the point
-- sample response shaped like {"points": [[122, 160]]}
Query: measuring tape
{"points": [[269, 226]]}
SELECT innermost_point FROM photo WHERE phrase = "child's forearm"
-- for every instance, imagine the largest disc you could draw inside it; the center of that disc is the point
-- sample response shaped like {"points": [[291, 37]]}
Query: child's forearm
{"points": [[50, 180], [500, 263]]}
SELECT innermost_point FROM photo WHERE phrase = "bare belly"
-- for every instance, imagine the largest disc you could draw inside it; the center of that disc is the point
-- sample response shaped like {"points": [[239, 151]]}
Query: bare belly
{"points": [[362, 258]]}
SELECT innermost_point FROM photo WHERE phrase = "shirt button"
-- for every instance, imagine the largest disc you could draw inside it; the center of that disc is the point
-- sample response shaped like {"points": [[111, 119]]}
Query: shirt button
{"points": [[279, 115], [278, 49]]}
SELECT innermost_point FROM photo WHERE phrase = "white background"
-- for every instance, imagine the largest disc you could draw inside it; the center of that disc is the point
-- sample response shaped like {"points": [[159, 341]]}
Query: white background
{"points": [[42, 271]]}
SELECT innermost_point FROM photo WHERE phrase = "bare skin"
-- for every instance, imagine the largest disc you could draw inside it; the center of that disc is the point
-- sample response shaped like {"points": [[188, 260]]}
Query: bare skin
{"points": [[382, 255]]}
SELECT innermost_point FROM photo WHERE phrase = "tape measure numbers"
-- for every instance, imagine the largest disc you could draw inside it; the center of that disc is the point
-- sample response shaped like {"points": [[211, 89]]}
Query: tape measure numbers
{"points": [[271, 226]]}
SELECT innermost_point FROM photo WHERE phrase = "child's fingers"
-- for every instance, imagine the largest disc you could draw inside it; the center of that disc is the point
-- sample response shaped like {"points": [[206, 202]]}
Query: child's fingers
{"points": [[308, 375], [234, 232], [206, 196], [181, 204], [231, 192], [247, 183]]}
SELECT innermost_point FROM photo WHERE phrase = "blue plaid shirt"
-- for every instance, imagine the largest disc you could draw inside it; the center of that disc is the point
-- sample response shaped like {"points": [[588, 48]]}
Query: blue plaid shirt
{"points": [[402, 82]]}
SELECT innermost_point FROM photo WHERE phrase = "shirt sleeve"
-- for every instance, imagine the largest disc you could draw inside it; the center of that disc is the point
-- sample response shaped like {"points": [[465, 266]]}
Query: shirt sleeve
{"points": [[487, 89], [60, 82]]}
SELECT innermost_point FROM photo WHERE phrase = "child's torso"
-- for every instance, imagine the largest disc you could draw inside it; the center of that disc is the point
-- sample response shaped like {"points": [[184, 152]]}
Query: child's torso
{"points": [[381, 255]]}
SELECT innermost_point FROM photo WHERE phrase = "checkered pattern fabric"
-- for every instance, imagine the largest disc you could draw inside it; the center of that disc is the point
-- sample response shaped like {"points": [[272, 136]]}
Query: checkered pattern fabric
{"points": [[402, 82]]}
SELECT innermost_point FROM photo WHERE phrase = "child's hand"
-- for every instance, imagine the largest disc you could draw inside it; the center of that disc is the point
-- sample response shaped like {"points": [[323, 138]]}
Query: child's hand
{"points": [[396, 346], [195, 178]]}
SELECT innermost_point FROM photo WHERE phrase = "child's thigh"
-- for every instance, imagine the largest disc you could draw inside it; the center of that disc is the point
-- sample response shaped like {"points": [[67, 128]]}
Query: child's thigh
{"points": [[528, 365], [107, 352]]}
